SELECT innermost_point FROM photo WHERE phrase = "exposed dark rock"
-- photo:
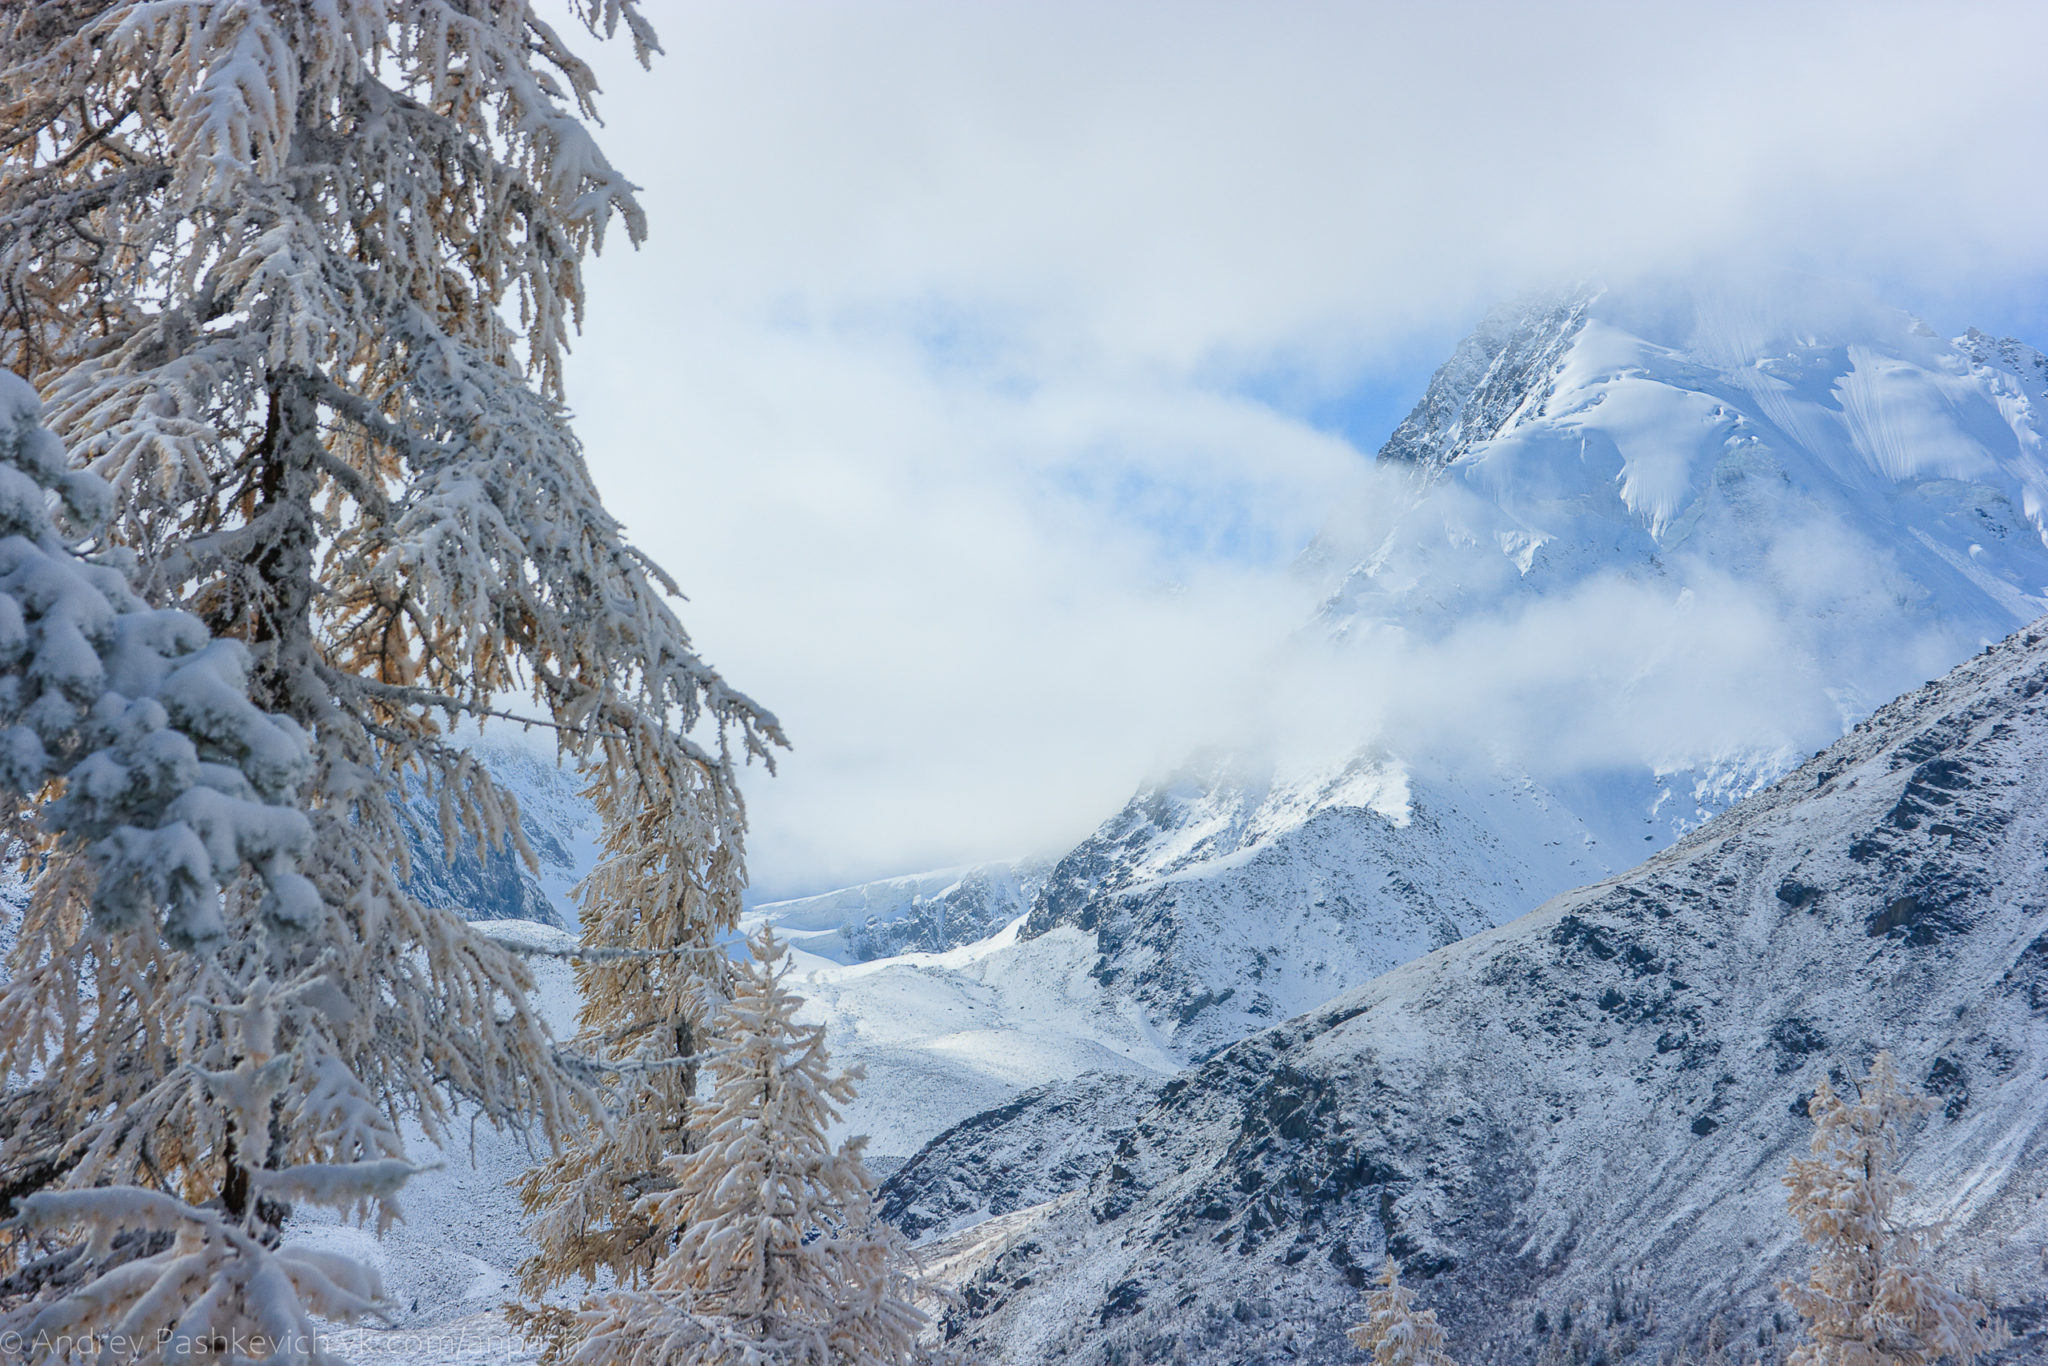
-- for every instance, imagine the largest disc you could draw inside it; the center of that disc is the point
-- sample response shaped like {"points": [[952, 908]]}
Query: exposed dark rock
{"points": [[1507, 365], [1947, 1080], [1796, 1038], [1043, 1144], [1796, 893]]}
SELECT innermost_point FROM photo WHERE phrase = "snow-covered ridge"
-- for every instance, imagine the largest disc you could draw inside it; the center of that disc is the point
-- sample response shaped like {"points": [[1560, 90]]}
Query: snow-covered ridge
{"points": [[1591, 1106], [1235, 895], [919, 913], [1508, 364], [1671, 431]]}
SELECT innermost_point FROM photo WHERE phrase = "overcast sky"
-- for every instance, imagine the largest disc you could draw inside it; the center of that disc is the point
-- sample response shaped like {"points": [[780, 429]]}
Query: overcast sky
{"points": [[988, 364]]}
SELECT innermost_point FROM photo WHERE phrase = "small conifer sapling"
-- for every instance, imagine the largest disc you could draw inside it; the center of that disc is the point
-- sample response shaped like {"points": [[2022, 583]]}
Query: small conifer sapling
{"points": [[776, 1256], [1395, 1331], [1874, 1296]]}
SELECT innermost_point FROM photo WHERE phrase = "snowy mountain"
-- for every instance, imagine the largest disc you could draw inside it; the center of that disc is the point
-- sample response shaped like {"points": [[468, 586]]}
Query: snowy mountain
{"points": [[1636, 554], [1837, 456], [1638, 551], [1644, 550], [1568, 672], [1581, 1117], [1234, 896]]}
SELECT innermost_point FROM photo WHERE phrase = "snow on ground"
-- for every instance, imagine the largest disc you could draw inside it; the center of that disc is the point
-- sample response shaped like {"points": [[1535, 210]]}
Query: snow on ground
{"points": [[532, 937], [474, 1340], [947, 1035], [449, 1265], [942, 1036]]}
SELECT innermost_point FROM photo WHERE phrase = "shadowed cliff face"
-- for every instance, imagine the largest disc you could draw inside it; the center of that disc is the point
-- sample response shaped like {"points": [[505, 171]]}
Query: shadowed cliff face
{"points": [[1590, 1107]]}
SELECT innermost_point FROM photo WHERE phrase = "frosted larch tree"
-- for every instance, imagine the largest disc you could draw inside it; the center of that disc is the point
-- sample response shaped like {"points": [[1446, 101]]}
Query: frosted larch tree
{"points": [[650, 977], [776, 1256], [1873, 1297], [163, 807], [1395, 1331], [295, 281]]}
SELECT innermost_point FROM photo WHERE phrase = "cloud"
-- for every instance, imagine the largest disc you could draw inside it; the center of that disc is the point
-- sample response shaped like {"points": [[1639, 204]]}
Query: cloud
{"points": [[981, 377], [982, 614]]}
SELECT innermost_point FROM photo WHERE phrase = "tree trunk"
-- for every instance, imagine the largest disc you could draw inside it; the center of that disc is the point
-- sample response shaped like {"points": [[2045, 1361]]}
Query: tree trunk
{"points": [[269, 602]]}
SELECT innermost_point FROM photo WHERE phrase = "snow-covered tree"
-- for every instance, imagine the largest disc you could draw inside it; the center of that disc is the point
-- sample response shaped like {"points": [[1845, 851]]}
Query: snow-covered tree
{"points": [[776, 1255], [141, 1029], [1873, 1297], [649, 983], [1395, 1331], [295, 281]]}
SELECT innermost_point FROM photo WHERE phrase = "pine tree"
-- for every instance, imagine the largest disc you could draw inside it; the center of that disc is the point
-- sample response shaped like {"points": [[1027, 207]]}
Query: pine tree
{"points": [[295, 281], [778, 1258], [1872, 1297], [1395, 1331]]}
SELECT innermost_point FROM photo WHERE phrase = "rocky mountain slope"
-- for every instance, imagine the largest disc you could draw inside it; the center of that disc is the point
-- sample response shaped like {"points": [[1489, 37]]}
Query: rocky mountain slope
{"points": [[1018, 1155], [560, 829], [1576, 1123]]}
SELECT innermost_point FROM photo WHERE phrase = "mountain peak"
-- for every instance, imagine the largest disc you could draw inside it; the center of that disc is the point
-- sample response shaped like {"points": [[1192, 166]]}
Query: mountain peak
{"points": [[1508, 364]]}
